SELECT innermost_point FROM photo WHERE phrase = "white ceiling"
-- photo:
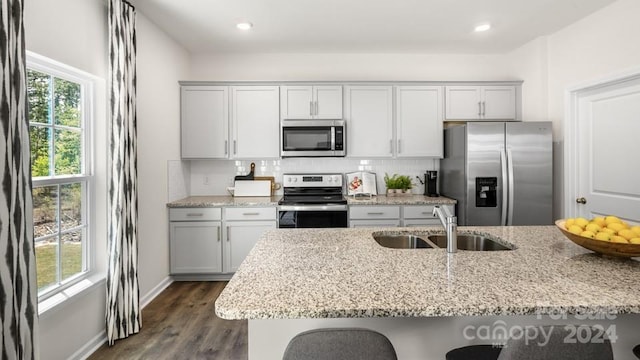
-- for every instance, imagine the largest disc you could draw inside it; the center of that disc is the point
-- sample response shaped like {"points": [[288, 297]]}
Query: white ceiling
{"points": [[361, 26]]}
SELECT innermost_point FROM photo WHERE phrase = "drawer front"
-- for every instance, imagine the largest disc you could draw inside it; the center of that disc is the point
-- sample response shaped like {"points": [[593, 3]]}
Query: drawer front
{"points": [[421, 222], [374, 212], [422, 211], [374, 223], [195, 214], [250, 213]]}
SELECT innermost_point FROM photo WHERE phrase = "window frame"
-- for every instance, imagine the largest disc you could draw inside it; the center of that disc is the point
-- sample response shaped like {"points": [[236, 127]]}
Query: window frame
{"points": [[88, 84]]}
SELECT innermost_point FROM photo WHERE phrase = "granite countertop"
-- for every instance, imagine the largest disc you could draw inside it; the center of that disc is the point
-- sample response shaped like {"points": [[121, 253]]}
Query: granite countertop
{"points": [[331, 273], [401, 200], [224, 200]]}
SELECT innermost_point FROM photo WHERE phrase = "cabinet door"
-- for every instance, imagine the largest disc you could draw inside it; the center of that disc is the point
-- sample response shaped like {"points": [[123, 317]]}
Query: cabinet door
{"points": [[499, 102], [463, 103], [195, 247], [255, 122], [296, 102], [328, 102], [205, 115], [369, 121], [241, 236], [419, 121]]}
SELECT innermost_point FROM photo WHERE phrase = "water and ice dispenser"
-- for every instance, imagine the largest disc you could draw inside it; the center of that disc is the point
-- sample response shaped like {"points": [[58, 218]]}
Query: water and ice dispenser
{"points": [[486, 191]]}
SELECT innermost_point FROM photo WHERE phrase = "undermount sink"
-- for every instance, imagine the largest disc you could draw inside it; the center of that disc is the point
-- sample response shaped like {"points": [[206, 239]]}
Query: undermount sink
{"points": [[470, 242], [402, 241]]}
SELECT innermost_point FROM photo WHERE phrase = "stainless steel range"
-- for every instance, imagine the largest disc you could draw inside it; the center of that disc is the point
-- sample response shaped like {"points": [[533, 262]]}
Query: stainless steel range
{"points": [[312, 201]]}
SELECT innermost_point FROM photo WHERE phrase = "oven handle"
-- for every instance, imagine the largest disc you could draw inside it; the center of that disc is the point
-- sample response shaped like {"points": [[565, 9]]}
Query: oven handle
{"points": [[312, 208]]}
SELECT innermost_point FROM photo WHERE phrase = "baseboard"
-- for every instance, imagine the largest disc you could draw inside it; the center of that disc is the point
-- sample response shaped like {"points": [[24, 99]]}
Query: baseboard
{"points": [[90, 347], [148, 297]]}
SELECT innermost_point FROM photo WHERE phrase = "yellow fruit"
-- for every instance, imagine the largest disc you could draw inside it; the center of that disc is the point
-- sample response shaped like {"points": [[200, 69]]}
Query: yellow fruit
{"points": [[575, 229], [569, 222], [635, 241], [603, 236], [636, 229], [618, 239], [608, 231], [615, 227], [593, 227], [582, 222], [611, 219], [587, 234], [627, 234], [599, 220]]}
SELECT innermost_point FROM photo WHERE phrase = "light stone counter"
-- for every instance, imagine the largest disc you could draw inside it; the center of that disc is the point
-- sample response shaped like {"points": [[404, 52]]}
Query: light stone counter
{"points": [[401, 200], [214, 201], [344, 273]]}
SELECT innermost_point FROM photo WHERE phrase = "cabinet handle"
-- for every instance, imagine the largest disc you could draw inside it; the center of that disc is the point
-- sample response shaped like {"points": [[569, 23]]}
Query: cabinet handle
{"points": [[251, 213], [219, 235], [228, 234], [235, 147], [375, 213], [194, 214], [311, 108], [479, 108], [484, 109], [426, 213], [391, 146], [226, 148], [315, 109], [399, 146]]}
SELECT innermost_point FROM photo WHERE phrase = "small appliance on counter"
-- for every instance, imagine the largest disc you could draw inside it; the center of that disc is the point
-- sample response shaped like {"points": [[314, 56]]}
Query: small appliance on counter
{"points": [[431, 183]]}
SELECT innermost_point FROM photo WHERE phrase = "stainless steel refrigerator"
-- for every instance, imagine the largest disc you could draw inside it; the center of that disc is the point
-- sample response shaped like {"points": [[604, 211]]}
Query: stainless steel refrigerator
{"points": [[500, 173]]}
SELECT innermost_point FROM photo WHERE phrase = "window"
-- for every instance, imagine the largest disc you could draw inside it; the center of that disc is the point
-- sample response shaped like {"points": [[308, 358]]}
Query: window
{"points": [[60, 103]]}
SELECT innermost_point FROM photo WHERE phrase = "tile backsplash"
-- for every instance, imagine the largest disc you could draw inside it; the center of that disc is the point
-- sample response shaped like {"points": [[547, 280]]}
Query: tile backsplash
{"points": [[212, 177]]}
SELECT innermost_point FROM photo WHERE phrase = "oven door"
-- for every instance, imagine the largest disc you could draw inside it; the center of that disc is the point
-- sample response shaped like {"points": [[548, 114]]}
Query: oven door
{"points": [[312, 216]]}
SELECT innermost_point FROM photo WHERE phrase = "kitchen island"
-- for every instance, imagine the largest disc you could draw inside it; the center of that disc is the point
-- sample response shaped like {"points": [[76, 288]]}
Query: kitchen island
{"points": [[425, 300]]}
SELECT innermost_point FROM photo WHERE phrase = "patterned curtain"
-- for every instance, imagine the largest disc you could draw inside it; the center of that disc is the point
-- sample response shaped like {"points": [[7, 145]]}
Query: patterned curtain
{"points": [[123, 305], [18, 294]]}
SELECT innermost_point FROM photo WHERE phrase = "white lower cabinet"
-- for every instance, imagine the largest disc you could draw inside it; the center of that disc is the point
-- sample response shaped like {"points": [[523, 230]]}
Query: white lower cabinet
{"points": [[210, 245], [376, 216], [195, 237], [421, 215]]}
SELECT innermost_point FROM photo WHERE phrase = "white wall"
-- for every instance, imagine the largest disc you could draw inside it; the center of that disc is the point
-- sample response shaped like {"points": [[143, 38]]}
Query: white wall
{"points": [[76, 33]]}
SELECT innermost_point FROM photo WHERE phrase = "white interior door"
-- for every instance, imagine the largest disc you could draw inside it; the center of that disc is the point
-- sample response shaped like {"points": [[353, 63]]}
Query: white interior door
{"points": [[607, 175]]}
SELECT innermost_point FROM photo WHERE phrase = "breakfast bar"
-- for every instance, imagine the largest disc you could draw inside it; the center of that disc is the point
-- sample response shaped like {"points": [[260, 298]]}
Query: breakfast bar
{"points": [[426, 300]]}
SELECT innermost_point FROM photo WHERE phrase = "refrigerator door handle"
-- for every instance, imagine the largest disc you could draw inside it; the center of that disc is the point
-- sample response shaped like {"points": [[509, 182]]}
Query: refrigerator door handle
{"points": [[505, 191], [511, 192]]}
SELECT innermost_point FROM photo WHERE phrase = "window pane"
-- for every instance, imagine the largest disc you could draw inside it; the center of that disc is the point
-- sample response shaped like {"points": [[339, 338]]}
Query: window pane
{"points": [[45, 211], [47, 262], [70, 205], [39, 96], [72, 253], [66, 102], [40, 147], [68, 152]]}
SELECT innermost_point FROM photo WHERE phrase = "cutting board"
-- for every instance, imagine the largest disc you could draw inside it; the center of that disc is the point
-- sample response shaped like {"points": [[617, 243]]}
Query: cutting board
{"points": [[271, 179], [252, 188]]}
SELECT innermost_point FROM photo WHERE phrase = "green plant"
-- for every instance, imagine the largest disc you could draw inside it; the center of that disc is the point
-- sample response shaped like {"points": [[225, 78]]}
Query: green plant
{"points": [[398, 181], [404, 182]]}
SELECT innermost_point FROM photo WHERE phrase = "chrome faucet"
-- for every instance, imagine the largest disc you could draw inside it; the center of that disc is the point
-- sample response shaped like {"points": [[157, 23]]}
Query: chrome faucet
{"points": [[450, 224]]}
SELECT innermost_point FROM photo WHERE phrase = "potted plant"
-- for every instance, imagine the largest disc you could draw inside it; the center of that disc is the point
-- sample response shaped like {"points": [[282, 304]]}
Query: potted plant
{"points": [[404, 183], [397, 184]]}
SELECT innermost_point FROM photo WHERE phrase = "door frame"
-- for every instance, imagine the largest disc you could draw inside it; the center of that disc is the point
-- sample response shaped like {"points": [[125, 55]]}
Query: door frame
{"points": [[572, 120]]}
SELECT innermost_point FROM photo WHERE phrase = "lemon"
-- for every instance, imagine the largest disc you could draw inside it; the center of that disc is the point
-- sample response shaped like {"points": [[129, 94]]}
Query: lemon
{"points": [[627, 234], [593, 227], [588, 234], [608, 231], [569, 222], [635, 240], [582, 222], [618, 239], [615, 226], [599, 220], [636, 229], [575, 229], [603, 236], [611, 219]]}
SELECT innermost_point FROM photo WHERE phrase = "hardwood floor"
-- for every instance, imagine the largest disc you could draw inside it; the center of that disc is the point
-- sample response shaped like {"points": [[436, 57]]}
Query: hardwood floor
{"points": [[181, 324]]}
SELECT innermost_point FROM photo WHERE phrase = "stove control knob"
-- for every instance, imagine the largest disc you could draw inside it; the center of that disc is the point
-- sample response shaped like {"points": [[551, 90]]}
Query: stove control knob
{"points": [[336, 178], [329, 179], [295, 179]]}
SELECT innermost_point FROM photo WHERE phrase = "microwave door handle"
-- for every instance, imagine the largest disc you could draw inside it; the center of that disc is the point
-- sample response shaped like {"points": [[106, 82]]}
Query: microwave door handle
{"points": [[333, 138]]}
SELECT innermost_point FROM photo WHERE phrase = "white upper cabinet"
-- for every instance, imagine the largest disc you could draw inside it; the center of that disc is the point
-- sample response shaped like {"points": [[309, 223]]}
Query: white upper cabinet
{"points": [[480, 103], [419, 120], [311, 102], [255, 122], [204, 122], [369, 121]]}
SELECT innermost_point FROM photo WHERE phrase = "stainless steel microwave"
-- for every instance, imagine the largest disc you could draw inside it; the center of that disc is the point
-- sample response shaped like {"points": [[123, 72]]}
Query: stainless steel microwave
{"points": [[306, 138]]}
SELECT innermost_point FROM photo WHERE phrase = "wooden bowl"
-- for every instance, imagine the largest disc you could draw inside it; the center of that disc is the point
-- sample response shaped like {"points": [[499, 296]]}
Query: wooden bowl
{"points": [[601, 247]]}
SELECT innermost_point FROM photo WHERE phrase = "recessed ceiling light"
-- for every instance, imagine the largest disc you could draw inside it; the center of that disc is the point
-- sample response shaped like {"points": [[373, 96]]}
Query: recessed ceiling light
{"points": [[244, 25], [483, 27]]}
